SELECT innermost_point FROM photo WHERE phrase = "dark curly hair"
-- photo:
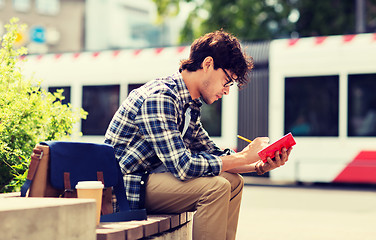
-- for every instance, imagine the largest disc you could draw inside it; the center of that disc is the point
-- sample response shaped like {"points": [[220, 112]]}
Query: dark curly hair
{"points": [[226, 52]]}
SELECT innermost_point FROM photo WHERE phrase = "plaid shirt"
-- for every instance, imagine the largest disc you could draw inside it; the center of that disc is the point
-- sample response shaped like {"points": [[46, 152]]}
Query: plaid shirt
{"points": [[145, 134]]}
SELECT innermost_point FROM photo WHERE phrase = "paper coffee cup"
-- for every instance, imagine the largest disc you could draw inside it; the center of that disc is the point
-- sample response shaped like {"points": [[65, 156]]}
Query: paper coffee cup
{"points": [[91, 190]]}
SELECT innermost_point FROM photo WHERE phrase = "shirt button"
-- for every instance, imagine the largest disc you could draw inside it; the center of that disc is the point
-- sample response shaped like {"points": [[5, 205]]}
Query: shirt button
{"points": [[128, 171], [142, 182]]}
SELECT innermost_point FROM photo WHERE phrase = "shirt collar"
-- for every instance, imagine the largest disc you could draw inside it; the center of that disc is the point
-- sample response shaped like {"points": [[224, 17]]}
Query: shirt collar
{"points": [[184, 93]]}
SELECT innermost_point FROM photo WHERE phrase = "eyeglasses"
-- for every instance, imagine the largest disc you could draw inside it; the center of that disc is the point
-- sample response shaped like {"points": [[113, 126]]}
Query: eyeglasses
{"points": [[230, 81]]}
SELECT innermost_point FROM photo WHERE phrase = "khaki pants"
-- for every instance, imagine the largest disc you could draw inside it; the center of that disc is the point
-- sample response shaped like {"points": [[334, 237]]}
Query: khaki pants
{"points": [[216, 201]]}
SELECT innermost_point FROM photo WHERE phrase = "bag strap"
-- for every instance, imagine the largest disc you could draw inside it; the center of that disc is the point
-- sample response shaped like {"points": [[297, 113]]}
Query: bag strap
{"points": [[125, 213], [121, 196], [107, 196], [34, 163], [68, 191]]}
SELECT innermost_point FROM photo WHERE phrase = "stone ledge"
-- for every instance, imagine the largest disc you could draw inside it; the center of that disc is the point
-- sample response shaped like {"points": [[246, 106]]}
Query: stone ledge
{"points": [[47, 218], [7, 195], [156, 227]]}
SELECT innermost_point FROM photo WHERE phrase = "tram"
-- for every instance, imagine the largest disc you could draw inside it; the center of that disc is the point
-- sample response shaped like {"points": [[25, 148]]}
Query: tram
{"points": [[321, 89]]}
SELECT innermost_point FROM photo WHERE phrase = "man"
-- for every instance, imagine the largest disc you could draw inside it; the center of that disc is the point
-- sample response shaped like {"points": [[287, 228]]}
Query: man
{"points": [[170, 164]]}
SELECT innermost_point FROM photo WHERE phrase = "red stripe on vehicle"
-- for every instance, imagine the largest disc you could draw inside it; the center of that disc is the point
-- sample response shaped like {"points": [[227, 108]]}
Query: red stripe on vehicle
{"points": [[136, 52], [319, 40], [293, 41], [115, 53], [180, 49], [348, 38], [361, 170], [95, 54], [158, 50]]}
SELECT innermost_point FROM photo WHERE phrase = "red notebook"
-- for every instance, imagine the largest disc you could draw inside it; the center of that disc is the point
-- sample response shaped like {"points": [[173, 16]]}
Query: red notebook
{"points": [[286, 141]]}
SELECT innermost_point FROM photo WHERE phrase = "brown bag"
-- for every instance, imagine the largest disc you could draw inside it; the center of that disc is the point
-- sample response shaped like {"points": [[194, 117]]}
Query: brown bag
{"points": [[56, 167], [40, 186], [39, 174]]}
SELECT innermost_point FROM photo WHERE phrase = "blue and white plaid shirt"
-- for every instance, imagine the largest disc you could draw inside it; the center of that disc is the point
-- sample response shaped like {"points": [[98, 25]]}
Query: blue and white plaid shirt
{"points": [[145, 134]]}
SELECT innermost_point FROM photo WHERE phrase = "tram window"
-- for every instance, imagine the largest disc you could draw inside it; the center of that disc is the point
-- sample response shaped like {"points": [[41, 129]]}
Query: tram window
{"points": [[211, 118], [362, 105], [132, 87], [101, 103], [66, 93], [312, 105]]}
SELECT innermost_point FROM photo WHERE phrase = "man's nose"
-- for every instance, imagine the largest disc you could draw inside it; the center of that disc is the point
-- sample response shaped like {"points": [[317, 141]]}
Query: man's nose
{"points": [[226, 90]]}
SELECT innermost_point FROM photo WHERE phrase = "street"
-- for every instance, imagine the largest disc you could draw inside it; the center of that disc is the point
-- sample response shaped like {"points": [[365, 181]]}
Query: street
{"points": [[307, 213]]}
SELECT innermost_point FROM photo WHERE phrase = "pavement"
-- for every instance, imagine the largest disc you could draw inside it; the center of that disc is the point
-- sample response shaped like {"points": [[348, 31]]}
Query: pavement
{"points": [[286, 211]]}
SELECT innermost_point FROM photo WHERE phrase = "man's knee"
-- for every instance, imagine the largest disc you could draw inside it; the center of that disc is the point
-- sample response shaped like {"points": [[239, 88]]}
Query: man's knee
{"points": [[224, 185], [219, 186], [239, 180], [236, 180]]}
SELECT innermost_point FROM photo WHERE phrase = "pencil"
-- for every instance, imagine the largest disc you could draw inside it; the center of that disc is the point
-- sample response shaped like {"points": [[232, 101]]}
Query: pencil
{"points": [[245, 139]]}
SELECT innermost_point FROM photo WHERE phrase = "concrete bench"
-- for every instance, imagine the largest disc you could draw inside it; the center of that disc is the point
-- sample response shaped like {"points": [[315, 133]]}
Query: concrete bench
{"points": [[157, 227]]}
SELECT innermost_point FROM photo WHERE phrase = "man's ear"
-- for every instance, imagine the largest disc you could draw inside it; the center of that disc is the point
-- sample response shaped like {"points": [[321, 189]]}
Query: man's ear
{"points": [[207, 63]]}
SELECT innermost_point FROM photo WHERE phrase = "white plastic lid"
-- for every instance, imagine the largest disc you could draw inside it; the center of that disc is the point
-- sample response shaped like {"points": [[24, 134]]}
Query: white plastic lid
{"points": [[89, 185]]}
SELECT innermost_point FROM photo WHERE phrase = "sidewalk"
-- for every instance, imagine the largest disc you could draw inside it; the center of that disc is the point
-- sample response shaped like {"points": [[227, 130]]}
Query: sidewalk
{"points": [[289, 212], [262, 181]]}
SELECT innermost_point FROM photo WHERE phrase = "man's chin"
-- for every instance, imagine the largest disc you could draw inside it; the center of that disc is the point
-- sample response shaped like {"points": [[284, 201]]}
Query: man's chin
{"points": [[208, 101]]}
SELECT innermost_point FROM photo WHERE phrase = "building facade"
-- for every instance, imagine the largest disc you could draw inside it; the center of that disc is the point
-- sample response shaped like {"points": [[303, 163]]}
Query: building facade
{"points": [[119, 24], [88, 25], [53, 25]]}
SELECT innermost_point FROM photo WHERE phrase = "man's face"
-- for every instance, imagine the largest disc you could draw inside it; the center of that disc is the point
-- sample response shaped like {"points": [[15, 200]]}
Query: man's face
{"points": [[215, 85]]}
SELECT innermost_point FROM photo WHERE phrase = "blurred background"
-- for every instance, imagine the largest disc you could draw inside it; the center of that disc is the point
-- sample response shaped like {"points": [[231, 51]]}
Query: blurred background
{"points": [[79, 25], [314, 75]]}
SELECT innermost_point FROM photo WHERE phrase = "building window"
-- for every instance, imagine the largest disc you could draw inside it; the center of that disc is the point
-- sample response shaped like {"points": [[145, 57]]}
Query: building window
{"points": [[21, 5], [132, 87], [48, 7], [66, 93], [362, 105], [101, 103], [312, 106]]}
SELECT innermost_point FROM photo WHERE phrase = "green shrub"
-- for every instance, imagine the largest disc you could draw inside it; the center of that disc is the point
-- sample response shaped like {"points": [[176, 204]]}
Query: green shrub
{"points": [[28, 113]]}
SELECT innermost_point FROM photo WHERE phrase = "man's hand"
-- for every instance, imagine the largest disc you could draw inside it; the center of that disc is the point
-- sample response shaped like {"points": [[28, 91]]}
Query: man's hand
{"points": [[250, 151], [244, 161], [279, 160]]}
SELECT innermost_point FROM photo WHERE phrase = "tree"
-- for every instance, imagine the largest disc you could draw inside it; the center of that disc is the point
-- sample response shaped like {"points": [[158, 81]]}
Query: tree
{"points": [[334, 17], [28, 113], [252, 20], [246, 19], [326, 18]]}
